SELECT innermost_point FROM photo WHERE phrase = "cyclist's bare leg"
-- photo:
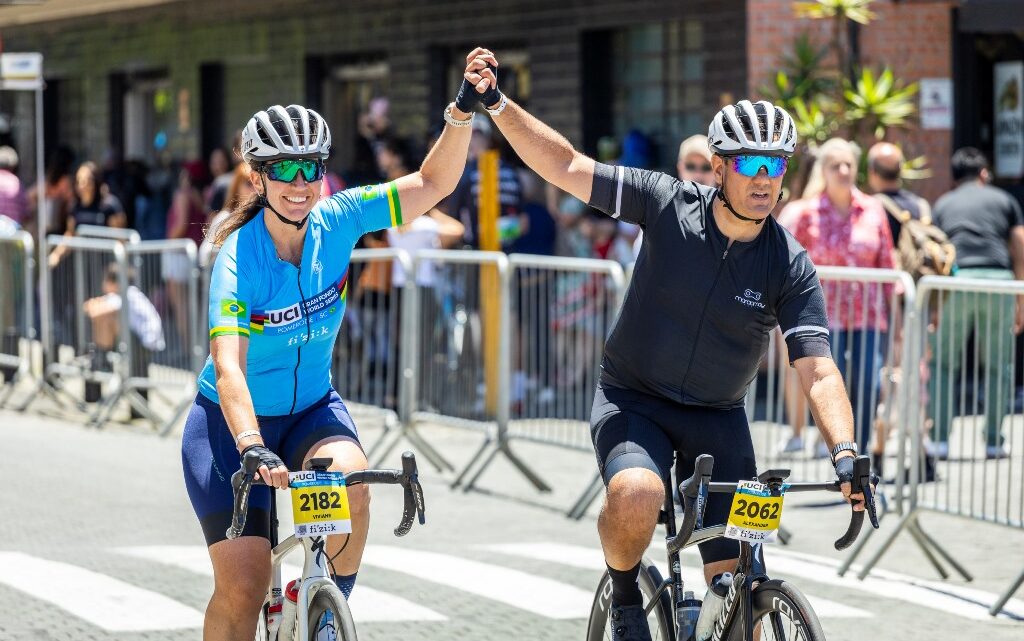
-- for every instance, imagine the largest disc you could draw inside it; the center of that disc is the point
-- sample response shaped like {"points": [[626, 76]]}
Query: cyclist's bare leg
{"points": [[241, 576], [632, 502], [348, 457]]}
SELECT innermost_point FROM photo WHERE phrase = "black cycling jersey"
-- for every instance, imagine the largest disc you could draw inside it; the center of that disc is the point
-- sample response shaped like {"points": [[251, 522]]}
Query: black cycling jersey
{"points": [[697, 316]]}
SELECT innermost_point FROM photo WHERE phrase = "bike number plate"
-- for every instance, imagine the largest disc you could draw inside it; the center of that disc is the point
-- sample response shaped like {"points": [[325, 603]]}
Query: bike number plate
{"points": [[319, 503], [755, 514]]}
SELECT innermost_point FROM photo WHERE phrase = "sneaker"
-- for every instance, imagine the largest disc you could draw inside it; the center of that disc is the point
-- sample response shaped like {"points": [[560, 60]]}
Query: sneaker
{"points": [[792, 445], [628, 623], [325, 629], [821, 450], [996, 452]]}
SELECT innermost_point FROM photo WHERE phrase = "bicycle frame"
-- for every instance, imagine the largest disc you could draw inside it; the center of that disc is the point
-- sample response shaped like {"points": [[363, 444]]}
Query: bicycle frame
{"points": [[749, 566], [314, 569]]}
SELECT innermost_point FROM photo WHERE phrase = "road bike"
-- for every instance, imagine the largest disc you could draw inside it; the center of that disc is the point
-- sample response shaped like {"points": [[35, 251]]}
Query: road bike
{"points": [[753, 599], [317, 594]]}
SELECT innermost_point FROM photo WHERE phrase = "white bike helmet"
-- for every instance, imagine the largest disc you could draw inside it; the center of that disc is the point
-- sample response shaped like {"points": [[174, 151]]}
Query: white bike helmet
{"points": [[285, 132], [755, 128]]}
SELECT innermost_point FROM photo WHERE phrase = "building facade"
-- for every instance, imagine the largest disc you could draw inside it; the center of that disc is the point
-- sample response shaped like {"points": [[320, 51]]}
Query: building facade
{"points": [[171, 79]]}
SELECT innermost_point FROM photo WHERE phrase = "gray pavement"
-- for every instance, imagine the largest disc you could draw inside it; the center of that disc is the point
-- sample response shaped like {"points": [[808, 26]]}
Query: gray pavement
{"points": [[498, 563]]}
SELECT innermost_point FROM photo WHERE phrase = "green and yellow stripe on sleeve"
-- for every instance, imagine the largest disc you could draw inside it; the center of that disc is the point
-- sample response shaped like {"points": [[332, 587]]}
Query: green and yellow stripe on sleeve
{"points": [[381, 206]]}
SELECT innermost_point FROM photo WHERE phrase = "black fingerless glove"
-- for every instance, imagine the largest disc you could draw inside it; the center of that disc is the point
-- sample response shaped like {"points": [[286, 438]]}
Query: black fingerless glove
{"points": [[468, 96], [844, 469], [266, 457]]}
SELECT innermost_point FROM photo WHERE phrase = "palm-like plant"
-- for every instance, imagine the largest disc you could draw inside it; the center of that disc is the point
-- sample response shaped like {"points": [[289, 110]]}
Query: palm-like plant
{"points": [[877, 103], [839, 12], [802, 74]]}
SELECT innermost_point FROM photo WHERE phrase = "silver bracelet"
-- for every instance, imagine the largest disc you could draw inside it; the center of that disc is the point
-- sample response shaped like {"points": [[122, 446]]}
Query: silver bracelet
{"points": [[448, 118], [247, 433], [500, 108]]}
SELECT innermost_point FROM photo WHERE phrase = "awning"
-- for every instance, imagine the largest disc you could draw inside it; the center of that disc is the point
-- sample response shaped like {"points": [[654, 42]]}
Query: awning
{"points": [[49, 10], [991, 16]]}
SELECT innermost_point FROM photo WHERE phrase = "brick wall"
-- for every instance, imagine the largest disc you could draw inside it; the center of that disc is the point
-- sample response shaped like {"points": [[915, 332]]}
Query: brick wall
{"points": [[264, 49], [914, 39]]}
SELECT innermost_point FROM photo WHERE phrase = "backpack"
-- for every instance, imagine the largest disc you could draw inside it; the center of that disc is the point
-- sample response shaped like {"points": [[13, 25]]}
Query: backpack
{"points": [[922, 248]]}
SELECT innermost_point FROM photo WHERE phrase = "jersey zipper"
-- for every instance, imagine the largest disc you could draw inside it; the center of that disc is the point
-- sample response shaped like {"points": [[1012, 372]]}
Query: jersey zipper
{"points": [[700, 323], [298, 358]]}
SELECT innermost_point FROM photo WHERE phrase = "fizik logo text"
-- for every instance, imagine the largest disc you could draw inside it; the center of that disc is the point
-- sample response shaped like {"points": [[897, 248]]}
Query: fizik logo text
{"points": [[750, 298]]}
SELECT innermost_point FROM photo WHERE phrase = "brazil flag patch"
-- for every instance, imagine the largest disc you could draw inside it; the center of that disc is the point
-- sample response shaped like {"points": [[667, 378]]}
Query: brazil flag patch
{"points": [[233, 308], [370, 192]]}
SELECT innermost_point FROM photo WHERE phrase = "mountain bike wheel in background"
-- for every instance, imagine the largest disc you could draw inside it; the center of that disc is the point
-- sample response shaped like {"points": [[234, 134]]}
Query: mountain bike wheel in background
{"points": [[330, 599], [659, 619], [784, 613]]}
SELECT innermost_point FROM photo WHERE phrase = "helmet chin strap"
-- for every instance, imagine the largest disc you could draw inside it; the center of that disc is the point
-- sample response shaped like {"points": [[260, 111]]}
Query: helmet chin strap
{"points": [[264, 201], [728, 205]]}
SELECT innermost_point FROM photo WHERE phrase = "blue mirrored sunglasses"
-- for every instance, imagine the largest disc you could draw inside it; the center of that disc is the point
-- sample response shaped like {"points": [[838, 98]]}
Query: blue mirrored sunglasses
{"points": [[286, 170], [750, 165]]}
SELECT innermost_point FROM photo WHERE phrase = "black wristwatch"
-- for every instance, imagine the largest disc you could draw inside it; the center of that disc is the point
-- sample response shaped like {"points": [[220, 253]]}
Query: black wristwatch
{"points": [[845, 446]]}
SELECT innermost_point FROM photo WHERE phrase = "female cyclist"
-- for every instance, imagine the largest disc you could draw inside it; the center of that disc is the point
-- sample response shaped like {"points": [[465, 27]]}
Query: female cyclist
{"points": [[277, 297]]}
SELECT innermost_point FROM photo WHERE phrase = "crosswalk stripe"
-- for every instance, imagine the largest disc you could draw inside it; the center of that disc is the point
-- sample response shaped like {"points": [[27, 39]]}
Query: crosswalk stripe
{"points": [[592, 559], [950, 599], [97, 598], [368, 605], [539, 595]]}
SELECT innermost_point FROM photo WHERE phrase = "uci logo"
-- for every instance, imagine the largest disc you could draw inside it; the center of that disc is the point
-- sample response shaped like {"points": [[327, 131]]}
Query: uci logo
{"points": [[303, 476], [283, 316]]}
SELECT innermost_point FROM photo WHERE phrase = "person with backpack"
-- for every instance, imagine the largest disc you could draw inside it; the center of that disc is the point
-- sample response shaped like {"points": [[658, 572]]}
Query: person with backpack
{"points": [[986, 226], [921, 249]]}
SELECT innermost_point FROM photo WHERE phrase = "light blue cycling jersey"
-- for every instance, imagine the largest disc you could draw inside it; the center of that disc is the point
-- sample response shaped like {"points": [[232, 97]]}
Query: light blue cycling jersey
{"points": [[291, 315]]}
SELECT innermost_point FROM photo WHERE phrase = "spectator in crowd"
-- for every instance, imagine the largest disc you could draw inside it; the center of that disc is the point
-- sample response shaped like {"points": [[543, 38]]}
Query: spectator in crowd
{"points": [[144, 324], [694, 161], [463, 205], [840, 225], [59, 192], [986, 226], [239, 190], [12, 197], [885, 167], [185, 219], [220, 172], [93, 205]]}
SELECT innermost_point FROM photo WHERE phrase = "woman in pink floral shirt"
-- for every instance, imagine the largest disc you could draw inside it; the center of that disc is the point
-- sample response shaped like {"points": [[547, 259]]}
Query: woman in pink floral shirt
{"points": [[840, 225]]}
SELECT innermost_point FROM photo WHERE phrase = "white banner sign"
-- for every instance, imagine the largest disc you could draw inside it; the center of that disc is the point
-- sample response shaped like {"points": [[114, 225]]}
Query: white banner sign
{"points": [[936, 103], [21, 66], [1009, 120]]}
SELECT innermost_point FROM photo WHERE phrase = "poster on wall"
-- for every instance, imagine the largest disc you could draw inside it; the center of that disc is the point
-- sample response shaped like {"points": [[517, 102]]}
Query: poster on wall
{"points": [[936, 103], [1009, 120]]}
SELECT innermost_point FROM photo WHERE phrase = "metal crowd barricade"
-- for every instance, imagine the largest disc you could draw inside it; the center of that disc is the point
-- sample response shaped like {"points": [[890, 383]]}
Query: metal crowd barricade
{"points": [[458, 346], [561, 310], [968, 423], [77, 347], [372, 358], [17, 306], [164, 351], [124, 235]]}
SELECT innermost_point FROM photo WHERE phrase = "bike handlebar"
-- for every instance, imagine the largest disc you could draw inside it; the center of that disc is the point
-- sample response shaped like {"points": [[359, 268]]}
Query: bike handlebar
{"points": [[408, 477], [694, 490]]}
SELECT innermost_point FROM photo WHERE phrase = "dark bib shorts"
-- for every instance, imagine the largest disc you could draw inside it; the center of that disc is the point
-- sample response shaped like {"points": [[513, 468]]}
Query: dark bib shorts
{"points": [[631, 429]]}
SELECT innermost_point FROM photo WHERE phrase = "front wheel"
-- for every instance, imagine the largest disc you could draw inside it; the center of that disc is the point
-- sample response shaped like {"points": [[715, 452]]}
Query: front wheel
{"points": [[329, 600], [784, 613], [659, 620]]}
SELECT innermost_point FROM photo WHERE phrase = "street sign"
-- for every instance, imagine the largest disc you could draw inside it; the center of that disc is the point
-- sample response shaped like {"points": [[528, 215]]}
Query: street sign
{"points": [[21, 70]]}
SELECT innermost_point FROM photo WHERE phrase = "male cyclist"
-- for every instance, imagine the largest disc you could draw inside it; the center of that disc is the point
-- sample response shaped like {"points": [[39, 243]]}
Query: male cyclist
{"points": [[714, 276]]}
